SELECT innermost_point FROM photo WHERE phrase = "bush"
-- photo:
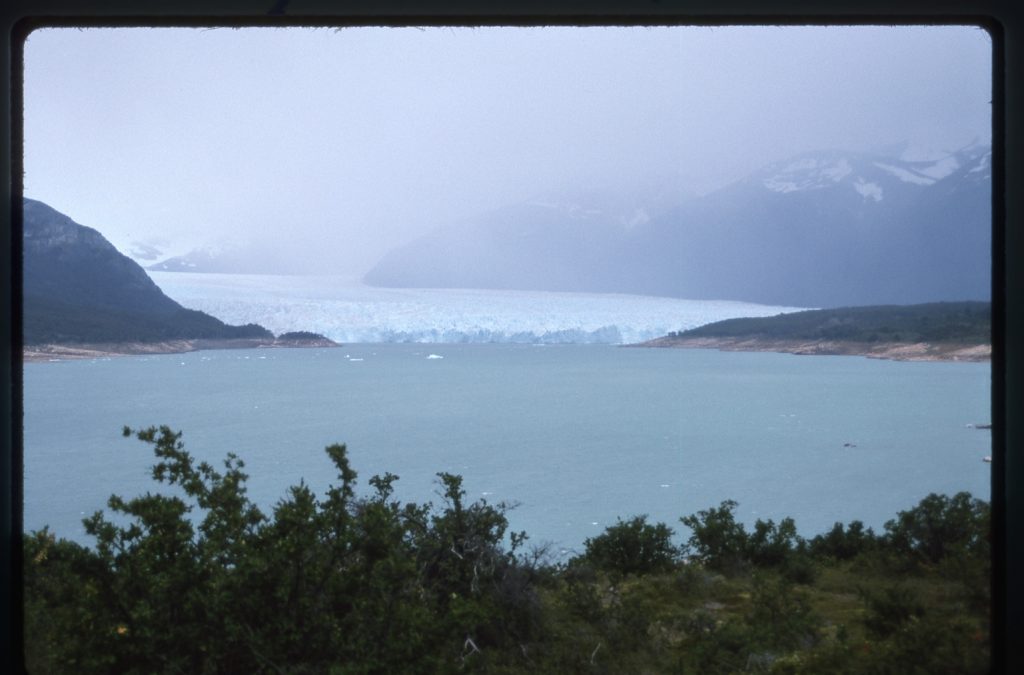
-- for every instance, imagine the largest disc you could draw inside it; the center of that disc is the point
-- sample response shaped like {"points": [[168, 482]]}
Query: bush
{"points": [[723, 544], [940, 527], [718, 540], [633, 547], [890, 609], [207, 582], [844, 543]]}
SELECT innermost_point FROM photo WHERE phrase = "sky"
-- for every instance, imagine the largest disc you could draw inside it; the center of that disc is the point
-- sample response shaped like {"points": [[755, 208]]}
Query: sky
{"points": [[328, 147]]}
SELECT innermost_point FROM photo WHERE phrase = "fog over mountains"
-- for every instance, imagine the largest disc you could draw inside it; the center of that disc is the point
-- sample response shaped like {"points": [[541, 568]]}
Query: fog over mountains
{"points": [[821, 229]]}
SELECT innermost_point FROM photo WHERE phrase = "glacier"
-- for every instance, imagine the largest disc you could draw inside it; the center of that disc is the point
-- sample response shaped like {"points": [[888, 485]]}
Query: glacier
{"points": [[349, 312]]}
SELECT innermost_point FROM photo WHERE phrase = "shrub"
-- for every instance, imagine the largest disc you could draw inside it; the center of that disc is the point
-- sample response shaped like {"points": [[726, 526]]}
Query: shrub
{"points": [[718, 540], [939, 527], [844, 543], [633, 547]]}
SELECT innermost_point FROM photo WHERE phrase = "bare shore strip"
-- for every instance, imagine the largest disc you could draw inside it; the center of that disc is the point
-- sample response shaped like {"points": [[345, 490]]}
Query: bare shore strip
{"points": [[66, 352], [894, 351]]}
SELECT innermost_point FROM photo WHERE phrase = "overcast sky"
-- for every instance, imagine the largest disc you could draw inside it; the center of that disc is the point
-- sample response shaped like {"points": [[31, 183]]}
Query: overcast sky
{"points": [[337, 145]]}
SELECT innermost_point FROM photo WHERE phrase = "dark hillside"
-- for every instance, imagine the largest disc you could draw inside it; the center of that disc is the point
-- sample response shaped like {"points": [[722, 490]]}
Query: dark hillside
{"points": [[79, 288], [961, 322]]}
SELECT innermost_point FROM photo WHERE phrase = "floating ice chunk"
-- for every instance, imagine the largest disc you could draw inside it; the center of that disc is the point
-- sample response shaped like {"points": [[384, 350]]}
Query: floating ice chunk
{"points": [[434, 356], [350, 360]]}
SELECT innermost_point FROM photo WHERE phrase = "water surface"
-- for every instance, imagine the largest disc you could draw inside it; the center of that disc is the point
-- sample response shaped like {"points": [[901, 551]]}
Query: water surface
{"points": [[576, 434]]}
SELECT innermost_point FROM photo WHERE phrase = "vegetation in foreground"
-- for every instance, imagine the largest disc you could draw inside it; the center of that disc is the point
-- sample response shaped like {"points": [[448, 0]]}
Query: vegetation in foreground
{"points": [[197, 579]]}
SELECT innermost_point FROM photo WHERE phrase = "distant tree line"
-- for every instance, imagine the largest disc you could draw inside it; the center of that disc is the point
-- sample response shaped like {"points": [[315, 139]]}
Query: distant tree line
{"points": [[47, 320], [960, 322], [196, 578], [299, 336]]}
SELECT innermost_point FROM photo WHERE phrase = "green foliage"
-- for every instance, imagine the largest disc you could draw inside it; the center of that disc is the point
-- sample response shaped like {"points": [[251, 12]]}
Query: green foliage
{"points": [[299, 335], [632, 547], [940, 527], [201, 580], [719, 541], [844, 542], [723, 544], [196, 578], [890, 609]]}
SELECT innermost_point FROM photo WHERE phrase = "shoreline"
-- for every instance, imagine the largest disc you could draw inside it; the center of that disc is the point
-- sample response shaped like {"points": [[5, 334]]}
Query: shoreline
{"points": [[891, 351], [96, 350]]}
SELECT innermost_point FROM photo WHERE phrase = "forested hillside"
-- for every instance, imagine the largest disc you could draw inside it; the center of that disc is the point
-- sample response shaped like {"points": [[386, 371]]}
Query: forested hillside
{"points": [[959, 322]]}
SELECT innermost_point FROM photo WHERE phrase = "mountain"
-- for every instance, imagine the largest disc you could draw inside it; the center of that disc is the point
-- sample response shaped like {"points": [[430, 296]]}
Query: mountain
{"points": [[561, 241], [78, 288], [821, 229]]}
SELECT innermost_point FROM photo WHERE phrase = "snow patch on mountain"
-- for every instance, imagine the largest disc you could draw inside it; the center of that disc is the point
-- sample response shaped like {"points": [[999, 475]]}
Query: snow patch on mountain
{"points": [[808, 173], [905, 175], [941, 169], [639, 217], [984, 163], [866, 189]]}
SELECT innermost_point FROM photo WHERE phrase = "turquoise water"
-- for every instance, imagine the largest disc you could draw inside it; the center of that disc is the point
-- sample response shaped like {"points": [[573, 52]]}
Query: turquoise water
{"points": [[576, 434]]}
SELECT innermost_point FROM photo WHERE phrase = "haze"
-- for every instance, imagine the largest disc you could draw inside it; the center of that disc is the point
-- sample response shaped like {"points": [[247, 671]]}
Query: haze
{"points": [[330, 147]]}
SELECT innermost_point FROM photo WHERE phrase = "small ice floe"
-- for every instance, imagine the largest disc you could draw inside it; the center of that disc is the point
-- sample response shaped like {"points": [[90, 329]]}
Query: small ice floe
{"points": [[987, 458], [485, 493], [593, 522], [262, 357], [665, 485], [434, 356], [355, 359]]}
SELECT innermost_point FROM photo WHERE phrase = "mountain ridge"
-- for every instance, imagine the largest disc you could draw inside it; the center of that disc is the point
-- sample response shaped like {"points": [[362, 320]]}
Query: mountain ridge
{"points": [[819, 229], [78, 288]]}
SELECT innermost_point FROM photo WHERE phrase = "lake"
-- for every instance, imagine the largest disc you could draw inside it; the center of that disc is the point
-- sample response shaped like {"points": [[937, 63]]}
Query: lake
{"points": [[577, 435]]}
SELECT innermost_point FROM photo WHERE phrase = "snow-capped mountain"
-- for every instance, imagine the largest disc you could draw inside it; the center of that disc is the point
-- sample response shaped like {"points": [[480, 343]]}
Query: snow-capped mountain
{"points": [[820, 229]]}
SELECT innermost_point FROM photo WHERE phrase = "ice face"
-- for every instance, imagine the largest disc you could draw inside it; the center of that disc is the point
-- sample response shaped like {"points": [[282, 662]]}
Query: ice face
{"points": [[351, 313]]}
